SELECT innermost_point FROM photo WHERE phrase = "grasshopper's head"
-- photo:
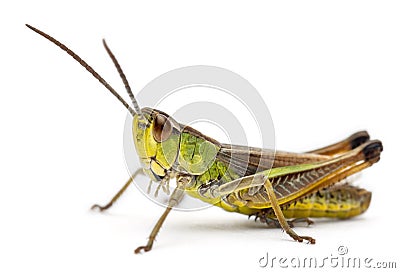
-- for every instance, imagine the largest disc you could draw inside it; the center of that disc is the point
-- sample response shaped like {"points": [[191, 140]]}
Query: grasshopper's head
{"points": [[156, 136]]}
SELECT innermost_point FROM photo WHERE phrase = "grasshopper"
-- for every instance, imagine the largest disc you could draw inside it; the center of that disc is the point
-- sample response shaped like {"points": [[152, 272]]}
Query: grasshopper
{"points": [[278, 188]]}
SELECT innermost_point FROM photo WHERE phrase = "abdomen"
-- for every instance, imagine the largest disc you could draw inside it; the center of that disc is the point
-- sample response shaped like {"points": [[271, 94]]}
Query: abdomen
{"points": [[343, 201]]}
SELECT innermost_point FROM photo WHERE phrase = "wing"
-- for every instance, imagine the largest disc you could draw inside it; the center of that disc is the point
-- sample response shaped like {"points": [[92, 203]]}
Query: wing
{"points": [[249, 160], [246, 160]]}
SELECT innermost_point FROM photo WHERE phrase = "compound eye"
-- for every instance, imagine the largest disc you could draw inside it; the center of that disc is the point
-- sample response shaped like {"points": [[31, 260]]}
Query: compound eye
{"points": [[162, 128]]}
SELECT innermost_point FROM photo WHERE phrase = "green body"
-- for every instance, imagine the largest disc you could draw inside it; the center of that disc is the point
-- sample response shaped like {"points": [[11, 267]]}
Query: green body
{"points": [[187, 151]]}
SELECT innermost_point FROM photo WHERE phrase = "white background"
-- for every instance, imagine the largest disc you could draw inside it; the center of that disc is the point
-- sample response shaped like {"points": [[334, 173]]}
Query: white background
{"points": [[325, 69]]}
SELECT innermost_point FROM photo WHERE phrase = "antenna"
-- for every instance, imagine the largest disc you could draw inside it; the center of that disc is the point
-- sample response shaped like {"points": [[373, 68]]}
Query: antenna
{"points": [[85, 65], [124, 79]]}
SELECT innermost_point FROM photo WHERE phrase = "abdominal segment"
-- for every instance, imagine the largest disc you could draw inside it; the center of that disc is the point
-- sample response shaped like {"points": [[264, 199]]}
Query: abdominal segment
{"points": [[342, 201]]}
